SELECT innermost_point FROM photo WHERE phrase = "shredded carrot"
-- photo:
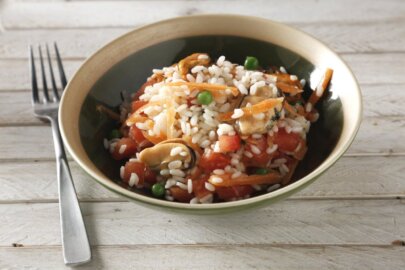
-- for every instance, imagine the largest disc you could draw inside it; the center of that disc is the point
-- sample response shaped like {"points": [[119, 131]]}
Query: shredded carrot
{"points": [[288, 88], [227, 181], [207, 86], [290, 109], [316, 95], [263, 106]]}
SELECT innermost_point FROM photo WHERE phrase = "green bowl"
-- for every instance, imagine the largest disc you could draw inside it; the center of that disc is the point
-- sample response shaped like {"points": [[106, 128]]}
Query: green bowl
{"points": [[126, 62]]}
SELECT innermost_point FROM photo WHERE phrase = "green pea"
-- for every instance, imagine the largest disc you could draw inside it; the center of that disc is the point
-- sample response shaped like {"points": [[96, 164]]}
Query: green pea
{"points": [[115, 134], [261, 171], [158, 190], [251, 63], [204, 97]]}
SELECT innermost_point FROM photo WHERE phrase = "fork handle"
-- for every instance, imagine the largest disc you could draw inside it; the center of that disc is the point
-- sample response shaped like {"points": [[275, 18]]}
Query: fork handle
{"points": [[76, 248]]}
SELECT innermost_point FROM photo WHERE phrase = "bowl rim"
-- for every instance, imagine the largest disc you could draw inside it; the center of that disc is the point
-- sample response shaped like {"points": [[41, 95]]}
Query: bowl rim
{"points": [[267, 197]]}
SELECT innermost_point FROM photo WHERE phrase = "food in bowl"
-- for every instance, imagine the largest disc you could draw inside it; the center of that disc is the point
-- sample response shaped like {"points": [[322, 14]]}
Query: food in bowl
{"points": [[203, 131]]}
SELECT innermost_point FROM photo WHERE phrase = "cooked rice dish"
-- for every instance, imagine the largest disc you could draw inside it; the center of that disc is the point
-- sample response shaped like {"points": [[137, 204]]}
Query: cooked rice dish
{"points": [[204, 131]]}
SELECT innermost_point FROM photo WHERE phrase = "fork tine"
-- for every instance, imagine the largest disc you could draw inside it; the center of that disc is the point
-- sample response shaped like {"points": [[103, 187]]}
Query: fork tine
{"points": [[45, 86], [54, 88], [34, 83], [60, 66]]}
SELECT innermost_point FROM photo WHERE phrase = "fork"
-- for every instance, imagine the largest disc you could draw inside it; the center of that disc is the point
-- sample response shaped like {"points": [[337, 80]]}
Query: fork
{"points": [[76, 248]]}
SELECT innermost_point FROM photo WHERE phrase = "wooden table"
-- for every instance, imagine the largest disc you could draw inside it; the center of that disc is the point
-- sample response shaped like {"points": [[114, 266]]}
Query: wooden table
{"points": [[351, 218]]}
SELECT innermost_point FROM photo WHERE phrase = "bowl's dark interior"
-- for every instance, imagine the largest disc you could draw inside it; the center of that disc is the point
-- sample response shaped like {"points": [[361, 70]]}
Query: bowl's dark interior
{"points": [[129, 74]]}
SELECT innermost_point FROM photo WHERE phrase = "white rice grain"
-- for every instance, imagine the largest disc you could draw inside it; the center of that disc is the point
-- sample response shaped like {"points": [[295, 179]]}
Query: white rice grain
{"points": [[177, 172], [133, 180], [216, 180], [236, 174], [270, 150], [237, 113], [255, 149], [273, 187], [175, 164], [181, 185], [189, 186], [175, 151], [122, 171], [209, 186]]}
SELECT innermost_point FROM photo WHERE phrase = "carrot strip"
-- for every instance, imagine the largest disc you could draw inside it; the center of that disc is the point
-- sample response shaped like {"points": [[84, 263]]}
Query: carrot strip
{"points": [[288, 88], [290, 109], [227, 181], [320, 89], [260, 107], [207, 86]]}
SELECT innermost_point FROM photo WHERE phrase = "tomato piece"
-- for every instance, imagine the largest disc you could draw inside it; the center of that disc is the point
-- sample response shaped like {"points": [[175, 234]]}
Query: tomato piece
{"points": [[136, 134], [180, 195], [134, 167], [257, 160], [129, 146], [211, 161], [135, 105], [199, 187], [229, 143], [150, 176], [287, 142], [229, 193]]}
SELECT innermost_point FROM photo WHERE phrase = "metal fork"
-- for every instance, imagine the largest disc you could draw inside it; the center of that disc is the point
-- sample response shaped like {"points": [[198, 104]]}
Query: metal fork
{"points": [[76, 248]]}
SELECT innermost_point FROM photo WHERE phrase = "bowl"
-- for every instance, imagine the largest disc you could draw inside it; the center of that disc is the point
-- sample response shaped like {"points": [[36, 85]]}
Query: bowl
{"points": [[126, 62]]}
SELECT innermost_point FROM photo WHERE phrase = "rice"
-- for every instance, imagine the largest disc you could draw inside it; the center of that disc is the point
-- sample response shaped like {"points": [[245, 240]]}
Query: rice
{"points": [[237, 113], [175, 103], [176, 151], [133, 180]]}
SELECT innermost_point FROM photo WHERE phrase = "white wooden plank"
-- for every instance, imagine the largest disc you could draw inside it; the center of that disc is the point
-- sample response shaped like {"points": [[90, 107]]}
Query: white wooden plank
{"points": [[343, 37], [379, 101], [212, 257], [369, 68], [16, 108], [15, 73], [377, 222], [376, 136], [116, 13], [350, 177]]}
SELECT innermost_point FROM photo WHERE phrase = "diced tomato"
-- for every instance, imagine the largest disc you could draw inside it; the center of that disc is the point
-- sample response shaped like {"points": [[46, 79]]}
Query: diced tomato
{"points": [[229, 143], [135, 105], [150, 176], [180, 195], [211, 161], [129, 147], [229, 193], [137, 135], [134, 167], [287, 142], [199, 187], [258, 160]]}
